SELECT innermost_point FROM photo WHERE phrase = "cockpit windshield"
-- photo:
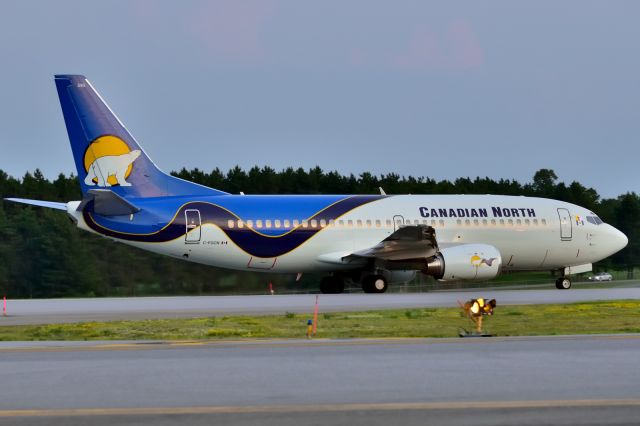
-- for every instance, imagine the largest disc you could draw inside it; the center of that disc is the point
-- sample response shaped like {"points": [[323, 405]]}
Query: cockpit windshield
{"points": [[595, 220]]}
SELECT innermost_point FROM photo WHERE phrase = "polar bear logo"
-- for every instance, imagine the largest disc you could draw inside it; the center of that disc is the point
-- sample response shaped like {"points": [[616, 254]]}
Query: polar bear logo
{"points": [[111, 165]]}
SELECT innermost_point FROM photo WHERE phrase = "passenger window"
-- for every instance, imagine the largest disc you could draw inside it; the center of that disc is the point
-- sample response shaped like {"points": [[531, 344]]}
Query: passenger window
{"points": [[240, 224], [544, 221], [267, 223], [276, 223], [368, 223], [378, 224], [485, 222], [527, 222], [258, 224], [296, 223], [341, 223], [350, 223], [459, 222], [535, 222], [314, 223], [230, 224], [441, 222], [287, 224], [493, 222], [332, 223], [476, 222], [359, 223], [323, 223], [510, 222], [305, 224], [518, 222], [467, 222], [501, 222], [250, 223], [388, 223]]}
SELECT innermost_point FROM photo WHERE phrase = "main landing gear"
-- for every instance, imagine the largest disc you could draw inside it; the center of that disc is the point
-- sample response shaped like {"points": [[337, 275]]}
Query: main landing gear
{"points": [[563, 283], [374, 284], [332, 284]]}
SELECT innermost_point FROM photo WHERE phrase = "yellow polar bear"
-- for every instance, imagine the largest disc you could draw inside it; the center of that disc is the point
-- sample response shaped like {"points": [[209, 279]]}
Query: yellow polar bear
{"points": [[111, 165]]}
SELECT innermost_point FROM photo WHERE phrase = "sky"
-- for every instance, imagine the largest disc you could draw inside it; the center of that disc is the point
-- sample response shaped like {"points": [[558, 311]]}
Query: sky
{"points": [[436, 89]]}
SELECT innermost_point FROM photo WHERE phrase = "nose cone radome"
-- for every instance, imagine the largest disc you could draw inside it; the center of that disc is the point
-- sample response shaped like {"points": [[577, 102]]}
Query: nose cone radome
{"points": [[616, 240]]}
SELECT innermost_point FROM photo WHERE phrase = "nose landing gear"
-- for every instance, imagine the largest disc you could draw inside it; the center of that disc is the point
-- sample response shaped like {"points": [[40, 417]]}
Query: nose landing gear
{"points": [[563, 283]]}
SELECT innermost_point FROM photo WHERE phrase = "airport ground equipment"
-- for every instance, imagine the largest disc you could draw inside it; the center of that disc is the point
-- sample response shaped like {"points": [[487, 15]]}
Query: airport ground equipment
{"points": [[476, 310]]}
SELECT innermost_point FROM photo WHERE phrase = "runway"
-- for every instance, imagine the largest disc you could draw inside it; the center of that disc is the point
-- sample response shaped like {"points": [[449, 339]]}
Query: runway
{"points": [[39, 311], [527, 380]]}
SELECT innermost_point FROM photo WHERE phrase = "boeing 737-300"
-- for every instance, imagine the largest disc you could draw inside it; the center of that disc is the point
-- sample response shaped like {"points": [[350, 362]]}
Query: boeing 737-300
{"points": [[373, 240]]}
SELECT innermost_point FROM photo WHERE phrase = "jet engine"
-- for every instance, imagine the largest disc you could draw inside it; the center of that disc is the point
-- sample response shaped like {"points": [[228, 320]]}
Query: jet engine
{"points": [[471, 262]]}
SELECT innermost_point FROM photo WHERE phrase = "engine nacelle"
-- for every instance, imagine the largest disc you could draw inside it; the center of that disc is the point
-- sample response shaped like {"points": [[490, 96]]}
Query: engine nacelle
{"points": [[471, 262]]}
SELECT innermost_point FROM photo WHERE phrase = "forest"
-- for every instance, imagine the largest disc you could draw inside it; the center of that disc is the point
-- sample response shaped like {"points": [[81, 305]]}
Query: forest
{"points": [[43, 254]]}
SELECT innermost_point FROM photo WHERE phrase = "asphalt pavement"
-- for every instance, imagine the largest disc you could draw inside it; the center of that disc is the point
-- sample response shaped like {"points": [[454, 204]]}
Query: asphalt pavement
{"points": [[480, 381]]}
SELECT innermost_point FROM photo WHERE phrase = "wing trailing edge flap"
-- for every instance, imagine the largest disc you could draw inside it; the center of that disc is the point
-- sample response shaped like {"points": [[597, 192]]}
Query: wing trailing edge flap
{"points": [[107, 203], [408, 242]]}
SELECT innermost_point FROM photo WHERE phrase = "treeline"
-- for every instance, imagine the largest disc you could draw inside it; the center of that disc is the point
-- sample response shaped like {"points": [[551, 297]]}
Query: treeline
{"points": [[42, 254]]}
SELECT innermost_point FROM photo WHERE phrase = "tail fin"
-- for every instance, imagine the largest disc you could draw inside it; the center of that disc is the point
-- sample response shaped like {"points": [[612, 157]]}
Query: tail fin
{"points": [[106, 154]]}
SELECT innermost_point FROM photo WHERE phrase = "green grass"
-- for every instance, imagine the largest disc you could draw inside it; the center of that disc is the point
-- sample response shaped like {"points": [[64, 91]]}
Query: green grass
{"points": [[579, 318]]}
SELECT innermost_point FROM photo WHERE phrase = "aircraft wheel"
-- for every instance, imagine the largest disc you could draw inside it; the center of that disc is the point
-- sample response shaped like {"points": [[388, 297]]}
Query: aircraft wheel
{"points": [[331, 285], [374, 284], [563, 283]]}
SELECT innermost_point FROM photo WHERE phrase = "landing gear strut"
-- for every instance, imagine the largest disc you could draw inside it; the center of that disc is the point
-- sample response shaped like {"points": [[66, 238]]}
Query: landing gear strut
{"points": [[332, 284], [563, 283], [374, 284]]}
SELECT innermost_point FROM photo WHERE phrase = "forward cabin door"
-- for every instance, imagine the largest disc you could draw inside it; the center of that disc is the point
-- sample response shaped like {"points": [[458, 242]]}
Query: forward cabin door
{"points": [[193, 231], [566, 231]]}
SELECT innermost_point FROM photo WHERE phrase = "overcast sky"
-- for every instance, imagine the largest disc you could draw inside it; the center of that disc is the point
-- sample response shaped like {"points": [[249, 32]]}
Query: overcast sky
{"points": [[440, 89]]}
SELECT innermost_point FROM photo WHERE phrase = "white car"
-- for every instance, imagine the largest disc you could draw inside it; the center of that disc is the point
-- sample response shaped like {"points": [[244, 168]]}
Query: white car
{"points": [[601, 276]]}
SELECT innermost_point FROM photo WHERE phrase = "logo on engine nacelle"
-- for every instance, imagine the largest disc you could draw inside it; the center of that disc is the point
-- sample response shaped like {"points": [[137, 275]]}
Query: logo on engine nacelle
{"points": [[478, 261]]}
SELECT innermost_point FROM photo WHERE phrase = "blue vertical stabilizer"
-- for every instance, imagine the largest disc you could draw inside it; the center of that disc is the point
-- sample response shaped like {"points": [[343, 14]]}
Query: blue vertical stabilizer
{"points": [[105, 153]]}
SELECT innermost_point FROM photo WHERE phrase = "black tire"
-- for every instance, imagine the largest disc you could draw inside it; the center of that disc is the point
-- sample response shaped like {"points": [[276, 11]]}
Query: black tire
{"points": [[563, 283], [374, 284], [332, 285]]}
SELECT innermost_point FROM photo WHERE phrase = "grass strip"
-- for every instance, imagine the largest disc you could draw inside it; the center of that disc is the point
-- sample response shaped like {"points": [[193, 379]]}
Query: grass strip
{"points": [[610, 317]]}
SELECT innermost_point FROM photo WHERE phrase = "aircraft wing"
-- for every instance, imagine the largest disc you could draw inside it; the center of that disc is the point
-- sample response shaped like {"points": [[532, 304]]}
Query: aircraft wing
{"points": [[40, 203], [408, 242]]}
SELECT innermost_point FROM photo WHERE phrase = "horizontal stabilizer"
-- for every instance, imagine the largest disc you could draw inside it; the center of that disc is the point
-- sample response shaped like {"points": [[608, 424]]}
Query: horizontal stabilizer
{"points": [[107, 203], [39, 203]]}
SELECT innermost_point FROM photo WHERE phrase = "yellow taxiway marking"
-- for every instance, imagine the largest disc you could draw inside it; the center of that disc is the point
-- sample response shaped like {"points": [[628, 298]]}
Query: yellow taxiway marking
{"points": [[305, 408], [320, 342]]}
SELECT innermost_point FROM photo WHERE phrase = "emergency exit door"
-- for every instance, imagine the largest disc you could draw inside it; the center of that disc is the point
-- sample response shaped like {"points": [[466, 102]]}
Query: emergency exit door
{"points": [[398, 222], [566, 225], [193, 229]]}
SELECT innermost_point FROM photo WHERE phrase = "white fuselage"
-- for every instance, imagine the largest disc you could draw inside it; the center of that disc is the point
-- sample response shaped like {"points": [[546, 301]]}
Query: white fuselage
{"points": [[530, 233]]}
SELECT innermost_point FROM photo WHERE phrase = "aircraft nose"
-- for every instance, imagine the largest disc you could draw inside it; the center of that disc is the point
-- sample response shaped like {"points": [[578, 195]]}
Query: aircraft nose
{"points": [[617, 240]]}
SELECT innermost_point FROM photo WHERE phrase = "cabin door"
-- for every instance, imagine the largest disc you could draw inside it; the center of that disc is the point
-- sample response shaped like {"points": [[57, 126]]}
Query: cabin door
{"points": [[398, 222], [566, 231], [193, 231]]}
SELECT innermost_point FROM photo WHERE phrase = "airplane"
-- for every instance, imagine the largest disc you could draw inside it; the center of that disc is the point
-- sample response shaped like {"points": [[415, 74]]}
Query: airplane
{"points": [[372, 240]]}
